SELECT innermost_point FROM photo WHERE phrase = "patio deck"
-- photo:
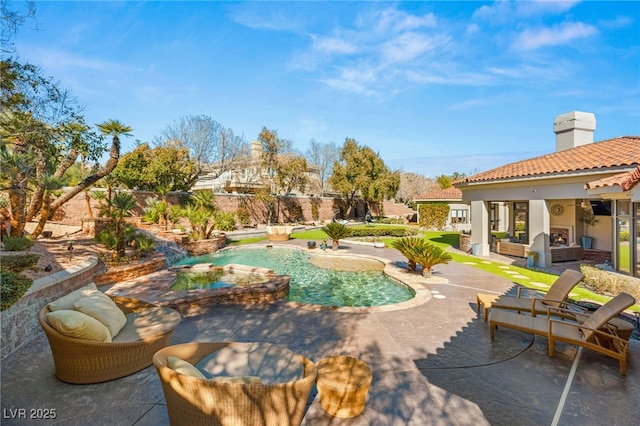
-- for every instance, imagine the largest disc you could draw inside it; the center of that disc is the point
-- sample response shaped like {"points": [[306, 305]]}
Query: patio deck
{"points": [[433, 364]]}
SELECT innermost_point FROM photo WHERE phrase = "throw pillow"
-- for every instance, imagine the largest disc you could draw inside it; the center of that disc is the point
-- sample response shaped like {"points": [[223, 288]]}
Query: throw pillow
{"points": [[183, 367], [100, 306], [66, 302], [76, 324]]}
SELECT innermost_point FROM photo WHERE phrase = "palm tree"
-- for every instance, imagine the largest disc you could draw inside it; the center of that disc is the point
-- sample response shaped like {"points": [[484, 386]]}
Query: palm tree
{"points": [[115, 129], [49, 184], [121, 206], [336, 231], [405, 246], [427, 256]]}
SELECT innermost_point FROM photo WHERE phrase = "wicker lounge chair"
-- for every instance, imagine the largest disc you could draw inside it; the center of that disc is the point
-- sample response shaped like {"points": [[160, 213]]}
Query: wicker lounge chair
{"points": [[149, 328], [594, 333], [196, 401], [555, 296]]}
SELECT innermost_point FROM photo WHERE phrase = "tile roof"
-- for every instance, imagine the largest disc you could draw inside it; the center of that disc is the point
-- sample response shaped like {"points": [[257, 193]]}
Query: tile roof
{"points": [[626, 180], [441, 194], [622, 151]]}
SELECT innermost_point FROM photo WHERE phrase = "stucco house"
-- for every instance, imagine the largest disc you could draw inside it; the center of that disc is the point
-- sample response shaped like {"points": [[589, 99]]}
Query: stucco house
{"points": [[458, 218], [549, 196]]}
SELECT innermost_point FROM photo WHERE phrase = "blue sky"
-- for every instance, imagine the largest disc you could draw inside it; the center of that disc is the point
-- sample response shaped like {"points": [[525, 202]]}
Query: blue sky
{"points": [[434, 87]]}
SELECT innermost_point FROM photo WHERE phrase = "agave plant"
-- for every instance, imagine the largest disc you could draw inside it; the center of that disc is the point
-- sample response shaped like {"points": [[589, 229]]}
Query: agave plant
{"points": [[336, 231], [404, 246]]}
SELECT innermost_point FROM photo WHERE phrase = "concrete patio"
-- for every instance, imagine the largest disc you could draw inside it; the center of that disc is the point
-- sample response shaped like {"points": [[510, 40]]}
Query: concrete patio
{"points": [[433, 364]]}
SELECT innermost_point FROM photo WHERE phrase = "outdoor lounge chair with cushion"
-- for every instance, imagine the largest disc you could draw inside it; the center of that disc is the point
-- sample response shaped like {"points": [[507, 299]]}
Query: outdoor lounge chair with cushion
{"points": [[555, 296], [594, 333], [96, 338], [231, 383]]}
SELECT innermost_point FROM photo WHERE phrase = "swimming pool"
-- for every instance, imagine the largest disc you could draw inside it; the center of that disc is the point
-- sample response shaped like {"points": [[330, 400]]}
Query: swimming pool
{"points": [[321, 285]]}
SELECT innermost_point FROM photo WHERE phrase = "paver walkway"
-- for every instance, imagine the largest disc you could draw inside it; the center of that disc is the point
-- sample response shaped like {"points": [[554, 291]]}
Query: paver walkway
{"points": [[433, 364]]}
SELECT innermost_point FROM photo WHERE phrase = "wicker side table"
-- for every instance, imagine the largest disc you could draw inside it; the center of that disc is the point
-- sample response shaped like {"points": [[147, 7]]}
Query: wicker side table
{"points": [[343, 383]]}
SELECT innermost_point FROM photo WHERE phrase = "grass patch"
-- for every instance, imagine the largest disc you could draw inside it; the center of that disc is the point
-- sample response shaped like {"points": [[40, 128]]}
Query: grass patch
{"points": [[245, 241]]}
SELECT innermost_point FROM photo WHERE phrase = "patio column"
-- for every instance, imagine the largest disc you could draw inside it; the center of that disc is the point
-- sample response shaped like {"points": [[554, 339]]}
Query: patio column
{"points": [[480, 228], [539, 225]]}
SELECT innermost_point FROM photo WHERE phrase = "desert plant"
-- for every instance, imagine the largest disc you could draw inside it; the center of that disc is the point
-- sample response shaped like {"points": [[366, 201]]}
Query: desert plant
{"points": [[336, 231], [144, 244], [17, 243], [423, 253], [225, 221], [405, 246]]}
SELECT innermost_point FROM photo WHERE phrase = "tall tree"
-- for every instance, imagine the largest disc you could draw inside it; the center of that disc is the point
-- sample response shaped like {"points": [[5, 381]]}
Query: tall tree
{"points": [[14, 14], [362, 172], [412, 185], [283, 170], [322, 156], [154, 169], [43, 133], [215, 149]]}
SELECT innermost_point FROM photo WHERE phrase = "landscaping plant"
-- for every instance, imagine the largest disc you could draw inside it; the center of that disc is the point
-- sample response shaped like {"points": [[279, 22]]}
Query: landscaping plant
{"points": [[336, 231]]}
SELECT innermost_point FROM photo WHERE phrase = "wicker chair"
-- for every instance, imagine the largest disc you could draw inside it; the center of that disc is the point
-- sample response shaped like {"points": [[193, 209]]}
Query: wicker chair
{"points": [[195, 401], [82, 361]]}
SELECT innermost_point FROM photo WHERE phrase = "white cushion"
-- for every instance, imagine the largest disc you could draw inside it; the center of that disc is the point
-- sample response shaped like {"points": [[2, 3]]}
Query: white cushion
{"points": [[76, 324], [271, 363], [184, 367], [100, 306], [66, 302], [148, 324], [243, 380]]}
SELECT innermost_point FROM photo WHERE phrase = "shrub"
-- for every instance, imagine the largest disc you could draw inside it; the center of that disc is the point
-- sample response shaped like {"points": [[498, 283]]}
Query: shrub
{"points": [[19, 263], [418, 251], [17, 243], [144, 244], [382, 232], [12, 287], [225, 221], [434, 215], [609, 283]]}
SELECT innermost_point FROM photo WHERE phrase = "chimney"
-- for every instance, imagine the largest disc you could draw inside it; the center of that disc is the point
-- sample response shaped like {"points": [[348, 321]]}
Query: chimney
{"points": [[256, 150], [574, 129]]}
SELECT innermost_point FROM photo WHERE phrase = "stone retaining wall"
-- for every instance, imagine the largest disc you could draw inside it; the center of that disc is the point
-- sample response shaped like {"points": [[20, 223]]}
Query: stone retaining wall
{"points": [[116, 275], [20, 322]]}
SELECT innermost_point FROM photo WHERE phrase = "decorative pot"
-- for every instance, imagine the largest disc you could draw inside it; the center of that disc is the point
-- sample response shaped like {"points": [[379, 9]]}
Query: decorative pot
{"points": [[587, 242], [311, 244]]}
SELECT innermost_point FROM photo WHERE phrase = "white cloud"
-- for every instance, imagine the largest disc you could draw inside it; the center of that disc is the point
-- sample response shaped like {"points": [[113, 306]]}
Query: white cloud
{"points": [[410, 45], [564, 33], [507, 11], [333, 45]]}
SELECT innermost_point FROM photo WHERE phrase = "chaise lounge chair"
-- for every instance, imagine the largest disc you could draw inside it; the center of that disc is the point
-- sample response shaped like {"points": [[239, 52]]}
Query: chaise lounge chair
{"points": [[556, 296], [594, 333]]}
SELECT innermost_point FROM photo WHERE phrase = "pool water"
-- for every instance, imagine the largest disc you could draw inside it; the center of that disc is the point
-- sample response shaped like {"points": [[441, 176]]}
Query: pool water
{"points": [[313, 284]]}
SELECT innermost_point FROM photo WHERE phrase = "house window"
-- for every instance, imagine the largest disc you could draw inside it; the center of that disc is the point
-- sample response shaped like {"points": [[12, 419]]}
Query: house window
{"points": [[624, 248], [520, 221], [459, 216]]}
